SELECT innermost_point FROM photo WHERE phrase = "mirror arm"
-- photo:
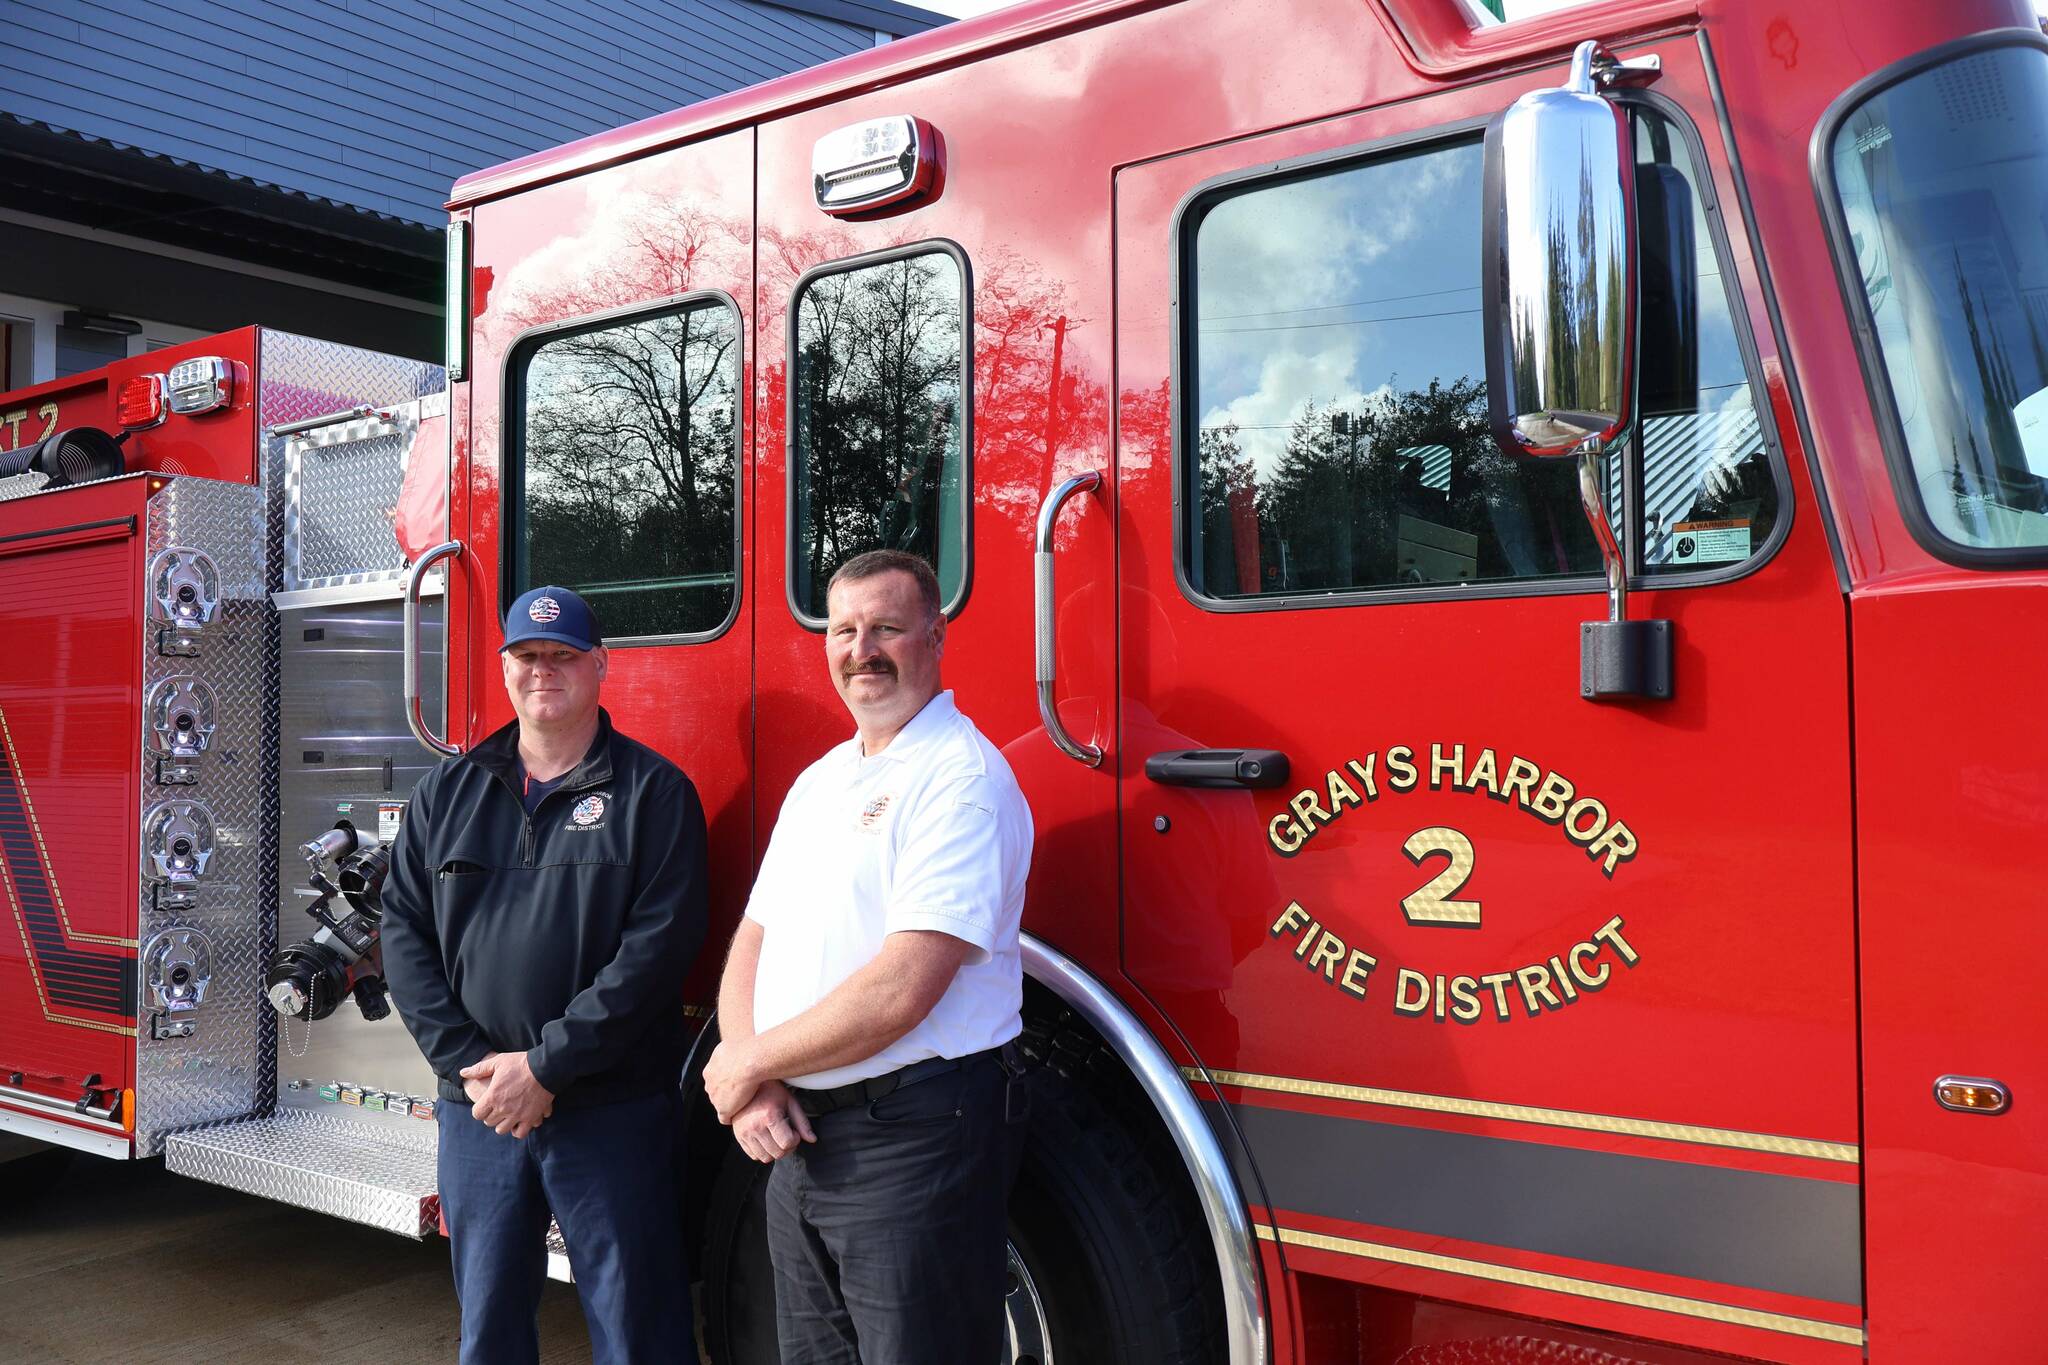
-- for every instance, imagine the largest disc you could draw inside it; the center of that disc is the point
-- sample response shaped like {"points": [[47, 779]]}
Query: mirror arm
{"points": [[1592, 463], [1609, 72]]}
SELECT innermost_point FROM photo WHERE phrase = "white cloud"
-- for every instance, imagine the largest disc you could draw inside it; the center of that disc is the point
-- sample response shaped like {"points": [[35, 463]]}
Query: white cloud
{"points": [[1311, 245], [1288, 380]]}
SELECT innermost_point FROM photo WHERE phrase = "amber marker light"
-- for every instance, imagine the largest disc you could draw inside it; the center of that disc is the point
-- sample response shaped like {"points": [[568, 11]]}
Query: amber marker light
{"points": [[128, 1111], [1972, 1095]]}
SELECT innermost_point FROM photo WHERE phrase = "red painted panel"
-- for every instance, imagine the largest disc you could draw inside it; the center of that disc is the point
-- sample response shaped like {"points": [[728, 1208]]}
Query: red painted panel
{"points": [[1492, 1282], [212, 445], [1780, 67], [70, 605], [1025, 196], [1952, 794], [1738, 908], [673, 225]]}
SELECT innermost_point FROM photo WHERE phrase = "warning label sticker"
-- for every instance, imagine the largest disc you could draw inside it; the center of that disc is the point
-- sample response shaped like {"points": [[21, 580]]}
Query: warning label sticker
{"points": [[1709, 542], [387, 820]]}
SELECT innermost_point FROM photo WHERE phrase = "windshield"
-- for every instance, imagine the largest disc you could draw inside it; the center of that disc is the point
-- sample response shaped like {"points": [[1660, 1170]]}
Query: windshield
{"points": [[1943, 180]]}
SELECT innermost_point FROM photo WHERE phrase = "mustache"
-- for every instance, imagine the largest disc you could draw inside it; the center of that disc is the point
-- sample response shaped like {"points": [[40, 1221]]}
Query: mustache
{"points": [[880, 666]]}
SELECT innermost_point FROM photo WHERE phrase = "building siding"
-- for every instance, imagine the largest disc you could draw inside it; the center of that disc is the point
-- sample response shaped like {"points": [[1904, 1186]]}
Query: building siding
{"points": [[382, 105]]}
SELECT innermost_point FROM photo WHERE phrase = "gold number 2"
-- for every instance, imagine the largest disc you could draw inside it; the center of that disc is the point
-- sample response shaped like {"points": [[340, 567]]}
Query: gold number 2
{"points": [[1432, 904]]}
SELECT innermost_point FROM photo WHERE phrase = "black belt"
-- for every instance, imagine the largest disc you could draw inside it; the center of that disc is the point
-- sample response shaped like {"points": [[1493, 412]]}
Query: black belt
{"points": [[819, 1102]]}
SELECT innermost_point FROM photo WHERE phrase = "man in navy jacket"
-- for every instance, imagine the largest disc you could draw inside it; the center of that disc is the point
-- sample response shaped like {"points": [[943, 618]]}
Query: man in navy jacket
{"points": [[546, 899]]}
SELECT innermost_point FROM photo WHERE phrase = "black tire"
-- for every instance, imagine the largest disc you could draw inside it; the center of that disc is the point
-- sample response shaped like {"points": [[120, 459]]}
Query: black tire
{"points": [[1103, 1216], [739, 1282], [1102, 1219]]}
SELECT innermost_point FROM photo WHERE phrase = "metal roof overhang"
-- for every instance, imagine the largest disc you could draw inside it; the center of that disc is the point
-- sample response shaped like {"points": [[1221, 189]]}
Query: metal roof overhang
{"points": [[104, 185]]}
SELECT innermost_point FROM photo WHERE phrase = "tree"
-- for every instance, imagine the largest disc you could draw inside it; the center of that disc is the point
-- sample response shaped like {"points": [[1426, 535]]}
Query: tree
{"points": [[1354, 485]]}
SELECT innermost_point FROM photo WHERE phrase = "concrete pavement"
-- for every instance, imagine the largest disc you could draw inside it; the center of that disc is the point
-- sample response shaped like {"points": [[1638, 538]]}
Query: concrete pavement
{"points": [[123, 1263]]}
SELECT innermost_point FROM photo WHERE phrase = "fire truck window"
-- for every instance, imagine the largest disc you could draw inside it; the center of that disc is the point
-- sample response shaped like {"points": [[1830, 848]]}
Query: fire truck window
{"points": [[1339, 393], [1708, 493], [878, 422], [1943, 191], [625, 470]]}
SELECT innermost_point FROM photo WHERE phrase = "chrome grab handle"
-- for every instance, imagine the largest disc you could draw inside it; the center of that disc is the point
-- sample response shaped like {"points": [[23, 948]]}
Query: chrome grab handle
{"points": [[1048, 670], [331, 419], [410, 650]]}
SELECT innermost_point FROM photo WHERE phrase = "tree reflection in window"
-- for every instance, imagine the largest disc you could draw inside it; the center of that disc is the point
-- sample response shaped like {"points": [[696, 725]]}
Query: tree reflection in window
{"points": [[630, 446], [879, 423]]}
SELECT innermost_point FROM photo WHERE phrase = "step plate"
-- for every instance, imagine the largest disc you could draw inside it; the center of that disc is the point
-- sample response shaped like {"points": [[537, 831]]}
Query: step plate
{"points": [[376, 1175]]}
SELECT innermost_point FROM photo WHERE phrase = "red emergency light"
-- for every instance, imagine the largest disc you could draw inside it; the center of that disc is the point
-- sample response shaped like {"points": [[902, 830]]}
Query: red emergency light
{"points": [[139, 403]]}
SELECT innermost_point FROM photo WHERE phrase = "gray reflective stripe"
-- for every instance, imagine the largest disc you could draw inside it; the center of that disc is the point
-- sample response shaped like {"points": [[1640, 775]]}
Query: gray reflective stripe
{"points": [[1779, 1233]]}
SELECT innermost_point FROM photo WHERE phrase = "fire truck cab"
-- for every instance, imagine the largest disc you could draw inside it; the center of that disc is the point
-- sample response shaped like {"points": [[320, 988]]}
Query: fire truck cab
{"points": [[1480, 542]]}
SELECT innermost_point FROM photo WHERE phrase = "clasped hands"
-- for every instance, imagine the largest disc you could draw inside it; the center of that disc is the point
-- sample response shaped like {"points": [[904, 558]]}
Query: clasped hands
{"points": [[505, 1094], [765, 1118]]}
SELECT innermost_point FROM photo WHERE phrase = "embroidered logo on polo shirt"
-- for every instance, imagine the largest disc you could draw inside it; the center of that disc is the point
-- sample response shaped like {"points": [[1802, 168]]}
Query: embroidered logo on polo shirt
{"points": [[588, 813], [871, 813]]}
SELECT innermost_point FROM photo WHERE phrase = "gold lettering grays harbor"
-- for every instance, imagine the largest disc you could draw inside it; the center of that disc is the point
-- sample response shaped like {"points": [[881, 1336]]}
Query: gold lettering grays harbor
{"points": [[1547, 795]]}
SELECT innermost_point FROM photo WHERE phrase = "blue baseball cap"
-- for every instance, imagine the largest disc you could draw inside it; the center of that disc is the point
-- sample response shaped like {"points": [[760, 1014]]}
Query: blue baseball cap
{"points": [[552, 613]]}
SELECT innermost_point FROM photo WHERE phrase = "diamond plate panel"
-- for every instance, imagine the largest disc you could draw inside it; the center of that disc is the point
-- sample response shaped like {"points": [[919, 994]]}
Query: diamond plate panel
{"points": [[341, 493], [224, 1069], [380, 1176], [27, 485], [300, 378], [342, 490]]}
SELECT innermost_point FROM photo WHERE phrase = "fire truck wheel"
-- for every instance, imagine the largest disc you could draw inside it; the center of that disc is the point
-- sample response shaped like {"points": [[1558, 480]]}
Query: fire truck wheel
{"points": [[1109, 1258], [739, 1282], [1103, 1219]]}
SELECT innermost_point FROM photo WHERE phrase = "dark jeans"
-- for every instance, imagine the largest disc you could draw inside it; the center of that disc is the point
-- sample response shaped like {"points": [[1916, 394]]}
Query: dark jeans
{"points": [[888, 1233], [609, 1174]]}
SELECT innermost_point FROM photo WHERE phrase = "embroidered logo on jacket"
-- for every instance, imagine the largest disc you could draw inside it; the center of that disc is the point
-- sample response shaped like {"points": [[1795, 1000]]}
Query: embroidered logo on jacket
{"points": [[588, 813], [544, 609]]}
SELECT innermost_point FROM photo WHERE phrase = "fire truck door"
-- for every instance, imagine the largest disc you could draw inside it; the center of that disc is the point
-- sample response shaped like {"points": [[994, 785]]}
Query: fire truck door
{"points": [[611, 451], [68, 817], [1513, 998]]}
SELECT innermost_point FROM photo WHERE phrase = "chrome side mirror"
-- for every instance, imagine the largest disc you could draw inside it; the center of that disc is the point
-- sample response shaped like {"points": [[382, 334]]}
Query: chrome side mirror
{"points": [[1561, 246], [1561, 268]]}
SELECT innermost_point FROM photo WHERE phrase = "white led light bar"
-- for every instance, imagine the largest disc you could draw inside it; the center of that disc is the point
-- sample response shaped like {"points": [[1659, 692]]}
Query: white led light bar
{"points": [[455, 313], [872, 164], [200, 385]]}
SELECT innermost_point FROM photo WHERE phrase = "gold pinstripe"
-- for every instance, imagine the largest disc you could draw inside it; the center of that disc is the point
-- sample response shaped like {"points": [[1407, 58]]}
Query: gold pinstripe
{"points": [[1521, 1113], [35, 969], [1563, 1284]]}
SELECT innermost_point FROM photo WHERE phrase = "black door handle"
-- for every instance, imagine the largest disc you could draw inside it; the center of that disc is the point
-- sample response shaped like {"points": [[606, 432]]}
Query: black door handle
{"points": [[1218, 768]]}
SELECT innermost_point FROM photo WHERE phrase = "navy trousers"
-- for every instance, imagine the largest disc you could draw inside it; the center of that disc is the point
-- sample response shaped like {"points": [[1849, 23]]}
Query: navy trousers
{"points": [[888, 1233], [609, 1173]]}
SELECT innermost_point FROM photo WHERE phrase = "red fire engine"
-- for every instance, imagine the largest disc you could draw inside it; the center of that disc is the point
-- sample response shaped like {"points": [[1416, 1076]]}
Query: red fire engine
{"points": [[1471, 535]]}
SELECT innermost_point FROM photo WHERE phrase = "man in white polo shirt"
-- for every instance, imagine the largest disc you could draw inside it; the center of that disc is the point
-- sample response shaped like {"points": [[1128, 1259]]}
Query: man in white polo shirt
{"points": [[867, 1000]]}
